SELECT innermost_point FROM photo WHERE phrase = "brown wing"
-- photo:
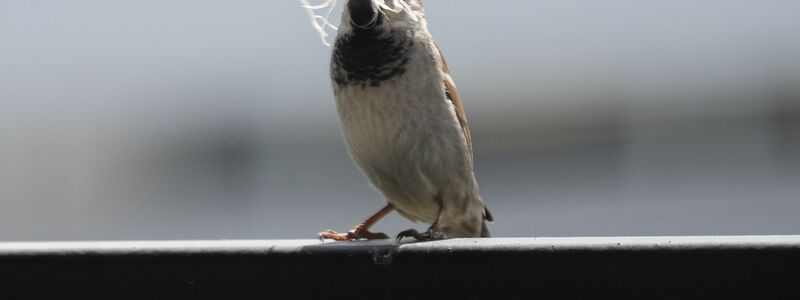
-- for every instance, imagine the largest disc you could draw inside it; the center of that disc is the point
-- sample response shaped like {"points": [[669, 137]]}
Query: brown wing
{"points": [[452, 95]]}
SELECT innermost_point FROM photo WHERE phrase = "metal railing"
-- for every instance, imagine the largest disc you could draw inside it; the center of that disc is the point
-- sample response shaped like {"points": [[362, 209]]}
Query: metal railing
{"points": [[644, 267]]}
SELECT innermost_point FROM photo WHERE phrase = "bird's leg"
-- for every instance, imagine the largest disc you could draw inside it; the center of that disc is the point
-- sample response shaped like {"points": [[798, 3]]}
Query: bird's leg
{"points": [[361, 231], [431, 234]]}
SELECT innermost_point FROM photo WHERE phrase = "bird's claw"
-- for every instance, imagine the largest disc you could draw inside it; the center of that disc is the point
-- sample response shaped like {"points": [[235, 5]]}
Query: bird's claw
{"points": [[430, 235], [327, 234], [358, 233]]}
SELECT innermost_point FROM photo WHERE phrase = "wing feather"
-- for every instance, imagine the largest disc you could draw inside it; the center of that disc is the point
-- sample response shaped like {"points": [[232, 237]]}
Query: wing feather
{"points": [[452, 95]]}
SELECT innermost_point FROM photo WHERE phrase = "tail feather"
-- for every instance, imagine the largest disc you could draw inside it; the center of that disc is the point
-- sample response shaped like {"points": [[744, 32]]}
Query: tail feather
{"points": [[487, 215], [485, 231]]}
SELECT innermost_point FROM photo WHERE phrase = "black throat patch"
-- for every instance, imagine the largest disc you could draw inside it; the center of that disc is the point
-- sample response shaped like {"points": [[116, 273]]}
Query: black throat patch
{"points": [[368, 57]]}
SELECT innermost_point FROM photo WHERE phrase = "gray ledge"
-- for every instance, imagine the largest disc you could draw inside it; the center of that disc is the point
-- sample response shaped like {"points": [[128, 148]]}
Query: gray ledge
{"points": [[612, 266]]}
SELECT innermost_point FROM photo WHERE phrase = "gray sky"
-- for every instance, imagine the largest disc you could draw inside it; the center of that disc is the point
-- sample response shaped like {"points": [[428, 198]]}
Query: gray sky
{"points": [[122, 61]]}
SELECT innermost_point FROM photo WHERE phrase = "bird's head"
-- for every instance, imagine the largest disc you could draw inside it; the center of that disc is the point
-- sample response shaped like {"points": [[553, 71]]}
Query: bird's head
{"points": [[381, 14]]}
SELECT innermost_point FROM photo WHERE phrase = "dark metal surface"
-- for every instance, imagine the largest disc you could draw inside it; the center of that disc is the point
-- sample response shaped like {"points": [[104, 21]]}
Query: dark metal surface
{"points": [[651, 267]]}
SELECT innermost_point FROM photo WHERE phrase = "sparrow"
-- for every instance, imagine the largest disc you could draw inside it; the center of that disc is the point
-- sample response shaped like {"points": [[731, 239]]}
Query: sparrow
{"points": [[404, 123]]}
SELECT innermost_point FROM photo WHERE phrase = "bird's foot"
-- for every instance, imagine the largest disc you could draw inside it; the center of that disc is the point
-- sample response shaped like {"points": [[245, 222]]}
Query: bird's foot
{"points": [[430, 235], [357, 233]]}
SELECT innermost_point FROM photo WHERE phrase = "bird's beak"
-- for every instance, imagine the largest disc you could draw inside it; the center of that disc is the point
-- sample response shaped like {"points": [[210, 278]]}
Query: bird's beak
{"points": [[364, 14]]}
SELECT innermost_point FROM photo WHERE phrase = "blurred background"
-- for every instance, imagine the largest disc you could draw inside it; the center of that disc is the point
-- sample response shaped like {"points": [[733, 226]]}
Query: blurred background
{"points": [[215, 119]]}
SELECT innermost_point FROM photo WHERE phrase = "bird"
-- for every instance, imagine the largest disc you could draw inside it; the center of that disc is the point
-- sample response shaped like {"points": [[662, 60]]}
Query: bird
{"points": [[404, 123]]}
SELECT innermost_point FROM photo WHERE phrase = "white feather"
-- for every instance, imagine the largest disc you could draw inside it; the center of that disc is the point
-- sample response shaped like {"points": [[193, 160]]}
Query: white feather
{"points": [[321, 23]]}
